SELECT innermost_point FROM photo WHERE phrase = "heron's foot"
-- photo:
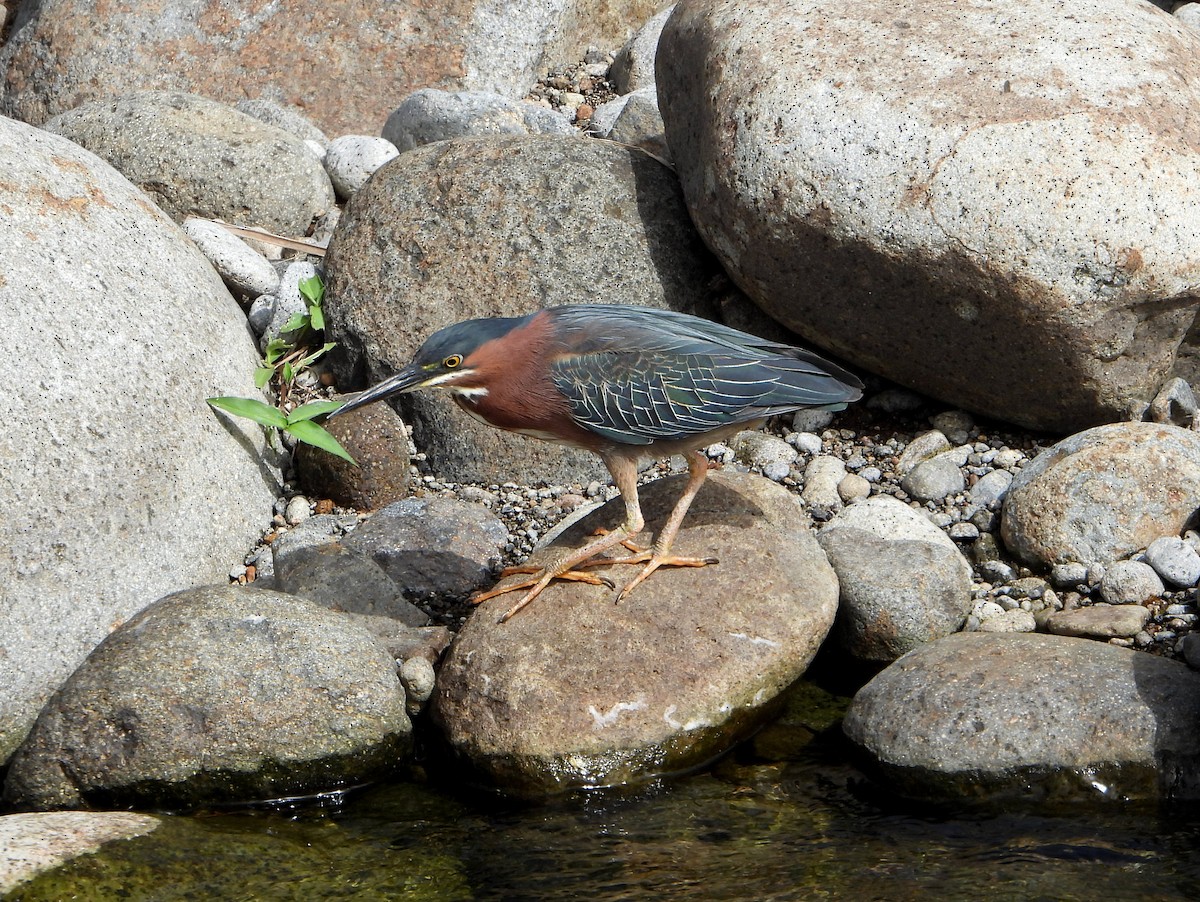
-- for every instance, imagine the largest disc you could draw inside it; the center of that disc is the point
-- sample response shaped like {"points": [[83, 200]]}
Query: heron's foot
{"points": [[536, 583], [627, 544], [652, 561]]}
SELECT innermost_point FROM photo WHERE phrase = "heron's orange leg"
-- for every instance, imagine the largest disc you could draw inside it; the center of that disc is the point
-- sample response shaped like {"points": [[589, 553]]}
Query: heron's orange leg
{"points": [[660, 554]]}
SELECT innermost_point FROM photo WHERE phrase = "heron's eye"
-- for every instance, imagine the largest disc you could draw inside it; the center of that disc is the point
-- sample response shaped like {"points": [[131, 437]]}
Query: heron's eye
{"points": [[452, 361]]}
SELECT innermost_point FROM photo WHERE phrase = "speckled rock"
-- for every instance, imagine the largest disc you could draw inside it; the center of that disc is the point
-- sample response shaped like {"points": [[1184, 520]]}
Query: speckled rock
{"points": [[213, 695], [433, 547], [245, 270], [1030, 716], [351, 159], [376, 438], [897, 592], [562, 695], [61, 53], [1103, 494], [934, 479], [633, 119], [430, 115], [1015, 209], [128, 485], [633, 66], [1175, 561], [1099, 621], [479, 211], [198, 157], [1130, 582]]}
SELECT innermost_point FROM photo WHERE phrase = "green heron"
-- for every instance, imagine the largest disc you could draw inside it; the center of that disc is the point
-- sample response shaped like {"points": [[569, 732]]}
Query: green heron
{"points": [[626, 383]]}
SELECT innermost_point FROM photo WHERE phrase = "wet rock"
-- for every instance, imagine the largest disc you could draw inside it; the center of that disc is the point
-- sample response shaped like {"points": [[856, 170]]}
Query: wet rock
{"points": [[430, 115], [198, 157], [216, 695], [912, 172], [1099, 621], [433, 547], [1031, 716], [574, 691], [122, 484], [1130, 581], [376, 438], [36, 842], [480, 210], [896, 591], [1103, 494]]}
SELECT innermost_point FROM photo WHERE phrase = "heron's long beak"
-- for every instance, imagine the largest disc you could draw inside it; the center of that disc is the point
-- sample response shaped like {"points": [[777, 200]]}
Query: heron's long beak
{"points": [[409, 378]]}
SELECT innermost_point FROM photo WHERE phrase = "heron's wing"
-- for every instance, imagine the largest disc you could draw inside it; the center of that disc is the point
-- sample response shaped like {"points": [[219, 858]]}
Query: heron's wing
{"points": [[640, 396]]}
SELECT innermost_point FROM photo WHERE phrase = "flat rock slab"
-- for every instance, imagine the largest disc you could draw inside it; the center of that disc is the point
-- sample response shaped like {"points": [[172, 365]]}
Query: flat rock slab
{"points": [[576, 691], [35, 842], [1102, 494], [214, 695], [950, 193], [1026, 715]]}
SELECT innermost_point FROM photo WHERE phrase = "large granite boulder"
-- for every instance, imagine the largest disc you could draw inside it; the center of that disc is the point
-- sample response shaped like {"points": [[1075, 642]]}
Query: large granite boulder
{"points": [[995, 204], [502, 226], [347, 63], [120, 484]]}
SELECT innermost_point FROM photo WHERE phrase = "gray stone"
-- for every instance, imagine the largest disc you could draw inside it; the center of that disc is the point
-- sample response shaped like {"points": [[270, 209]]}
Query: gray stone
{"points": [[934, 479], [198, 157], [633, 119], [973, 196], [822, 477], [1070, 575], [430, 115], [895, 594], [433, 547], [121, 483], [923, 447], [891, 519], [296, 55], [215, 695], [574, 691], [1188, 14], [1130, 582], [1031, 716], [245, 271], [33, 843], [341, 579], [1103, 494], [492, 230], [1175, 404], [853, 487], [1175, 561], [758, 449], [1099, 621], [956, 425], [288, 302], [351, 159], [991, 488], [633, 66], [290, 119], [1016, 620]]}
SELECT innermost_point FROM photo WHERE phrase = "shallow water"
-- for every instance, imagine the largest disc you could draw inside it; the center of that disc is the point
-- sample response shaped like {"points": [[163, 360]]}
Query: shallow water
{"points": [[809, 827]]}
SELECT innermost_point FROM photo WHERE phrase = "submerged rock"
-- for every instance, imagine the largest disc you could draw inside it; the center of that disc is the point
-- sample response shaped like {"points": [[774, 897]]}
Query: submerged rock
{"points": [[1029, 716], [576, 691], [216, 695]]}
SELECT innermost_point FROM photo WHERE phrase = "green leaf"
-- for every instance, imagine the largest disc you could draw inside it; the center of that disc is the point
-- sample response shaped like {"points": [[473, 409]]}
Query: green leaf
{"points": [[317, 354], [312, 409], [276, 348], [310, 433], [313, 290], [252, 409], [263, 375], [317, 316], [298, 321]]}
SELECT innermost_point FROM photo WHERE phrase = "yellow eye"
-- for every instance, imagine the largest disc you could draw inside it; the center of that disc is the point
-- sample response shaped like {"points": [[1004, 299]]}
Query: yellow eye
{"points": [[452, 361]]}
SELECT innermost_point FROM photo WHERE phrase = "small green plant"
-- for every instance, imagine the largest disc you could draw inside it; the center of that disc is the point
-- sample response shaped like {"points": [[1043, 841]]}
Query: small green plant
{"points": [[289, 358], [299, 422], [284, 360]]}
